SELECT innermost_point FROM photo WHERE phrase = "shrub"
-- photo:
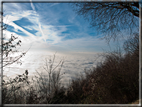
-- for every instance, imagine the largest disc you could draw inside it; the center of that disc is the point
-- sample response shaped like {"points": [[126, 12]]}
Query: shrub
{"points": [[49, 82], [115, 81]]}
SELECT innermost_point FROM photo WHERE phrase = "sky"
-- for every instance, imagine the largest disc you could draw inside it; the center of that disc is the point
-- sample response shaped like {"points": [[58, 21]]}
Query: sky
{"points": [[52, 27], [47, 28]]}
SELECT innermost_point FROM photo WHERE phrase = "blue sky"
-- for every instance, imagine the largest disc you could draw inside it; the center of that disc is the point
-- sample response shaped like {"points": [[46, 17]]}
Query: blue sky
{"points": [[52, 27]]}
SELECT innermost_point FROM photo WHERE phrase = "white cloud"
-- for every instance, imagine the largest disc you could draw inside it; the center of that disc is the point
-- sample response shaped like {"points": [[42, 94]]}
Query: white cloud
{"points": [[30, 27], [74, 63], [8, 19], [39, 24], [54, 4], [52, 33], [80, 44], [46, 31], [32, 5]]}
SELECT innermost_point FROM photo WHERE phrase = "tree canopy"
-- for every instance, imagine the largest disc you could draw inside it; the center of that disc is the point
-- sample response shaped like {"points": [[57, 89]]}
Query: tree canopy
{"points": [[111, 18]]}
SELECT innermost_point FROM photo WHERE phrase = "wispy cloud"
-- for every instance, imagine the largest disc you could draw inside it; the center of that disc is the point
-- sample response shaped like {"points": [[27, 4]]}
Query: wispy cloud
{"points": [[54, 4], [33, 7], [55, 27], [44, 32]]}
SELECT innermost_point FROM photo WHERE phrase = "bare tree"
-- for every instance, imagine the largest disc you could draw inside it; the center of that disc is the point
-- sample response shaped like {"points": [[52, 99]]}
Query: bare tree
{"points": [[49, 82], [132, 44], [9, 47], [111, 18]]}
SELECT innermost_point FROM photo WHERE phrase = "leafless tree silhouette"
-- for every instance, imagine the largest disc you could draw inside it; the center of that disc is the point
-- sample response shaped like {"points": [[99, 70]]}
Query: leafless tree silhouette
{"points": [[111, 18]]}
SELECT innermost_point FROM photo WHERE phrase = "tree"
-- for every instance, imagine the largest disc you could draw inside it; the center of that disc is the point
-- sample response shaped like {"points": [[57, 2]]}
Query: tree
{"points": [[111, 18], [9, 48], [49, 81], [131, 46]]}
